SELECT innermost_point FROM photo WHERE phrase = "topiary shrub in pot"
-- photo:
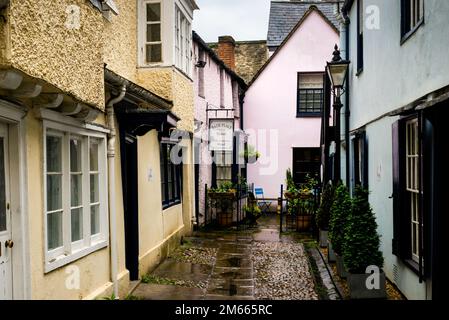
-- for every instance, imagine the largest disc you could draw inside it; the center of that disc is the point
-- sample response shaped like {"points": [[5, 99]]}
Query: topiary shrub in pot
{"points": [[323, 213], [339, 212], [361, 253]]}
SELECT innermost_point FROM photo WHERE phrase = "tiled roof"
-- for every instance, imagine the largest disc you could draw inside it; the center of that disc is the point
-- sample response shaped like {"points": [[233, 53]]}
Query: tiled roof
{"points": [[284, 15]]}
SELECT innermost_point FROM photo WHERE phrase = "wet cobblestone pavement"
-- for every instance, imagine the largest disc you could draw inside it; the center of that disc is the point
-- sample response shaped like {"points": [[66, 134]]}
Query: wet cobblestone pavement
{"points": [[254, 264]]}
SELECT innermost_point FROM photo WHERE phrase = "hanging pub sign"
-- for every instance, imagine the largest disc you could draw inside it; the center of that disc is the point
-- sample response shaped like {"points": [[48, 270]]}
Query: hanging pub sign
{"points": [[221, 133]]}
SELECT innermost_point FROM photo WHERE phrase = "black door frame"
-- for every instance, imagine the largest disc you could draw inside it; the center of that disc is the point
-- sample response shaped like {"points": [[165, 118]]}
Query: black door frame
{"points": [[436, 176]]}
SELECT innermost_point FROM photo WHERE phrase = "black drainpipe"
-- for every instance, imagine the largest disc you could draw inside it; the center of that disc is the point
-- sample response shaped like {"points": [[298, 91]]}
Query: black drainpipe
{"points": [[348, 110]]}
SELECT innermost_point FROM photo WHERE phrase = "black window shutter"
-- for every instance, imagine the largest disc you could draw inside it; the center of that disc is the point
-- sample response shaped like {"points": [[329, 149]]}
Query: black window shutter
{"points": [[398, 139], [360, 21], [364, 160], [355, 162]]}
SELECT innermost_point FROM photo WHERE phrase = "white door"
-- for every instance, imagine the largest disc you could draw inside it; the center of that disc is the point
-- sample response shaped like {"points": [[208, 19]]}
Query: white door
{"points": [[6, 243]]}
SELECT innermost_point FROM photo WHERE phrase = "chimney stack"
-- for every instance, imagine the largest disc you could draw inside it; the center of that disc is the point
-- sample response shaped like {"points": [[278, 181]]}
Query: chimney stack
{"points": [[226, 50]]}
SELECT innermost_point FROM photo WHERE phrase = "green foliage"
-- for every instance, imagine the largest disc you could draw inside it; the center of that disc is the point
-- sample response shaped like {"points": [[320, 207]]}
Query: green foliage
{"points": [[301, 198], [111, 297], [242, 183], [324, 211], [250, 152], [224, 187], [252, 210], [148, 278], [291, 187], [361, 240], [339, 212]]}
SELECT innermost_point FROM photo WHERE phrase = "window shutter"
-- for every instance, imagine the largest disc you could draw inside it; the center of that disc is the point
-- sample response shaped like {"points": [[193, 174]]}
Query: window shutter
{"points": [[364, 160], [398, 140]]}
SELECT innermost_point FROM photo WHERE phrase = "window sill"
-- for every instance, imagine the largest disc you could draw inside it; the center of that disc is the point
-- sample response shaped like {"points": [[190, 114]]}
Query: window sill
{"points": [[171, 204], [309, 115], [64, 260], [412, 265], [409, 34]]}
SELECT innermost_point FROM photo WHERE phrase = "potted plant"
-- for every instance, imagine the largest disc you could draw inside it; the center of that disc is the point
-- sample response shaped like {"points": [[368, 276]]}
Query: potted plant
{"points": [[361, 250], [339, 211], [224, 197], [251, 154], [323, 213], [252, 212]]}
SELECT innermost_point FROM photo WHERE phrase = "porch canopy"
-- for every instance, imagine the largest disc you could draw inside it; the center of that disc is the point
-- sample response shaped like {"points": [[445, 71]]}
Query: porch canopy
{"points": [[141, 110]]}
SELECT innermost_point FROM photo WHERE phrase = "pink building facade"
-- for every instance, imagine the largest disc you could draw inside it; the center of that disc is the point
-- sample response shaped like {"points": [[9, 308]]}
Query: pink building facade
{"points": [[283, 104], [218, 91]]}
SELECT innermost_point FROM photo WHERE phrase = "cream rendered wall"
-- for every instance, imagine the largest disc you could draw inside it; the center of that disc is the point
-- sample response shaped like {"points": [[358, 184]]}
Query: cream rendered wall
{"points": [[157, 227], [94, 268], [41, 45], [120, 40]]}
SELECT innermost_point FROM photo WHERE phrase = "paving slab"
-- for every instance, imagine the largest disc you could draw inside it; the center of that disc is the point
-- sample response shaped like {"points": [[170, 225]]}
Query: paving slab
{"points": [[167, 292], [232, 261], [226, 298], [267, 235], [231, 290], [182, 271], [232, 273]]}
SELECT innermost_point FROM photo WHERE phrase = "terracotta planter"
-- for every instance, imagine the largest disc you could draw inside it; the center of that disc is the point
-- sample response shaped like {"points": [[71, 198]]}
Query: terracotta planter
{"points": [[358, 287], [225, 219], [303, 223]]}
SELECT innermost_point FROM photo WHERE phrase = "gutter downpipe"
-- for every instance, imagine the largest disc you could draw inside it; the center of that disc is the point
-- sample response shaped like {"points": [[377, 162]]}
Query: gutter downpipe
{"points": [[346, 43], [111, 171]]}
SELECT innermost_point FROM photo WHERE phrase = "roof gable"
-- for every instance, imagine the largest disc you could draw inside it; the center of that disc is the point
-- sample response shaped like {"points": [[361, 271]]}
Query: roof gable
{"points": [[284, 15], [292, 32]]}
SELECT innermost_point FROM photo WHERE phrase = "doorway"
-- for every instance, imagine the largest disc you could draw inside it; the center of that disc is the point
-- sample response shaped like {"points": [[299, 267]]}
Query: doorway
{"points": [[6, 243], [306, 161], [436, 177], [130, 202]]}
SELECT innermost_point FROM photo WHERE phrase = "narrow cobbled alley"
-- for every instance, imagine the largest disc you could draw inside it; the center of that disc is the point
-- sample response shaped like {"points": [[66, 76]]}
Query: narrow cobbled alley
{"points": [[253, 264]]}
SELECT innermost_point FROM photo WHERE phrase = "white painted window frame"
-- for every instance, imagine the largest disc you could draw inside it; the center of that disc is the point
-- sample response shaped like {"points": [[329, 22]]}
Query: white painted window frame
{"points": [[142, 33], [183, 40], [412, 183], [70, 252]]}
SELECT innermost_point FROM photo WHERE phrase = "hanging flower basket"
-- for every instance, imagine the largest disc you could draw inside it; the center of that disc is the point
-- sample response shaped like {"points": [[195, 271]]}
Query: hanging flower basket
{"points": [[290, 195]]}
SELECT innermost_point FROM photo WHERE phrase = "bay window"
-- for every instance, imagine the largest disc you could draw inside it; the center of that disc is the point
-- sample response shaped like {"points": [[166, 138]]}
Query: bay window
{"points": [[153, 45], [183, 42], [76, 193]]}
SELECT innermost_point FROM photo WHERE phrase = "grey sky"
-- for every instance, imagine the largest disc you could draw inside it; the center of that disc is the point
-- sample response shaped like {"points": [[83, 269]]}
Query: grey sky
{"points": [[242, 19]]}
